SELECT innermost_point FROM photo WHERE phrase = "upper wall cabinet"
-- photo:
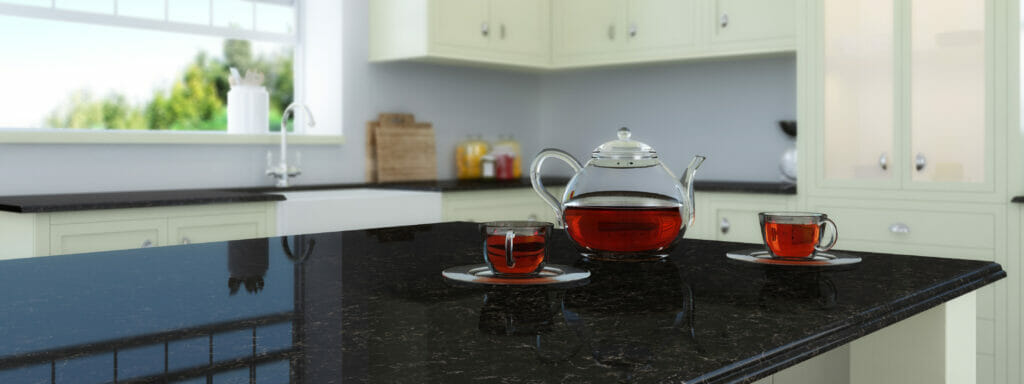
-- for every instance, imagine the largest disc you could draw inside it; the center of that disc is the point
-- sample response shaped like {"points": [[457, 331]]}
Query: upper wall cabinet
{"points": [[559, 34], [499, 32], [906, 93]]}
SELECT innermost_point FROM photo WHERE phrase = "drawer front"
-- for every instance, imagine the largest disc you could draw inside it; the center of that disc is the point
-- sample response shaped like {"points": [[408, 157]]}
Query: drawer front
{"points": [[738, 225], [518, 204], [959, 234], [205, 229], [107, 236]]}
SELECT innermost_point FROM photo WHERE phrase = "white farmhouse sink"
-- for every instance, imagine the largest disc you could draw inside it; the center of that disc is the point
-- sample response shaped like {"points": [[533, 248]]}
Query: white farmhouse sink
{"points": [[360, 208]]}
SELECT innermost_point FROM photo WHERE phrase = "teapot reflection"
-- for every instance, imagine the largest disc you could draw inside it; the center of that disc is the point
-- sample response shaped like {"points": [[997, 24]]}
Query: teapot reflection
{"points": [[631, 312], [248, 261]]}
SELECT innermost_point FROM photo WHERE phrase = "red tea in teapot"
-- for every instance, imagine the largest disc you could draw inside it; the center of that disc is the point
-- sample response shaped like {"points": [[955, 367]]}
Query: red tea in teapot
{"points": [[636, 225]]}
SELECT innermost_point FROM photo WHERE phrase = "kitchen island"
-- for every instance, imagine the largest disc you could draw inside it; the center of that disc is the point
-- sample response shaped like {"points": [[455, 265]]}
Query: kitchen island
{"points": [[371, 306]]}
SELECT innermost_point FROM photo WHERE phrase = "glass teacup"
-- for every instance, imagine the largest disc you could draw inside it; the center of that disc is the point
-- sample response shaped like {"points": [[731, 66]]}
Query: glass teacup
{"points": [[796, 235], [515, 248]]}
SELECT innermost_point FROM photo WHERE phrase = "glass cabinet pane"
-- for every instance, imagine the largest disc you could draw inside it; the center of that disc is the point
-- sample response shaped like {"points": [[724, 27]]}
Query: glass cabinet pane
{"points": [[947, 91], [859, 89]]}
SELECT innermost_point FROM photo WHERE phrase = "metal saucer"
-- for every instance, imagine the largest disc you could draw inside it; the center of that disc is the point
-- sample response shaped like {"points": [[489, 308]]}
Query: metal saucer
{"points": [[829, 259], [553, 275]]}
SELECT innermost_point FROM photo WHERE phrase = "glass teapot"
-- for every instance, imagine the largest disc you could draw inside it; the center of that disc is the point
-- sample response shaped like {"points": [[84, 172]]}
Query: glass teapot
{"points": [[624, 204]]}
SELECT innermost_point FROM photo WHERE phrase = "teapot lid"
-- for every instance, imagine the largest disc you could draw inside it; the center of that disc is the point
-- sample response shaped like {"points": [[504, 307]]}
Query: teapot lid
{"points": [[624, 153]]}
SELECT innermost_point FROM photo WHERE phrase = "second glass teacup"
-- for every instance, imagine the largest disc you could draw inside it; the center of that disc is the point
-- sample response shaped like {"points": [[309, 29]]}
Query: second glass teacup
{"points": [[797, 235], [515, 248]]}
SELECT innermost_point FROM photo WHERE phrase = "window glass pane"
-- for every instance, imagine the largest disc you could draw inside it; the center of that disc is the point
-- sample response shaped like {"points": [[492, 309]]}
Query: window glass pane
{"points": [[97, 6], [275, 18], [189, 11], [40, 3], [232, 13], [150, 9], [84, 76]]}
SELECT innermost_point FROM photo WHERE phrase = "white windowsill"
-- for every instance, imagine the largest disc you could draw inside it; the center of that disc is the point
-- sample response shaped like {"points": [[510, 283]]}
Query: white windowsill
{"points": [[67, 136]]}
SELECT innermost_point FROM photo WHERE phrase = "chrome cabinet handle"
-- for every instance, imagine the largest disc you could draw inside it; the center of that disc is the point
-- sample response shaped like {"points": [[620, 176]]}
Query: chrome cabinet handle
{"points": [[485, 29], [501, 30], [883, 161], [532, 217], [899, 228], [148, 243], [611, 32], [724, 20], [186, 240], [632, 30], [724, 225], [920, 161]]}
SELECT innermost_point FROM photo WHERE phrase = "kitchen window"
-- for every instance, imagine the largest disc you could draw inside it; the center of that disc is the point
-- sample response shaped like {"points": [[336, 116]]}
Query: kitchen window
{"points": [[149, 70]]}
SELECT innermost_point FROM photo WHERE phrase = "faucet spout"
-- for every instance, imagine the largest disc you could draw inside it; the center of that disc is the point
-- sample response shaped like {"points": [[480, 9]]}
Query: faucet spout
{"points": [[283, 171]]}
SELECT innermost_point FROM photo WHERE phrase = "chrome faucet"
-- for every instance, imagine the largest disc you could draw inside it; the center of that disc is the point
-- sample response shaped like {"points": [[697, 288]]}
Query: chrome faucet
{"points": [[283, 171]]}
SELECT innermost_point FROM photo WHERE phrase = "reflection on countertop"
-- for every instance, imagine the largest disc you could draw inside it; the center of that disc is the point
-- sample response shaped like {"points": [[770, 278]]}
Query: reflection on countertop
{"points": [[371, 306]]}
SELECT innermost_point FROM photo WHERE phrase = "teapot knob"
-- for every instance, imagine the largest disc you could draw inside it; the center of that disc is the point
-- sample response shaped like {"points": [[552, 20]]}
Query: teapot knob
{"points": [[624, 133]]}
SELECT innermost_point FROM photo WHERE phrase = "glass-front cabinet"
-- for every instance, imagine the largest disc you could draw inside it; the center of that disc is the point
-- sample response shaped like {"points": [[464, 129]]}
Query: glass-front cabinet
{"points": [[905, 95]]}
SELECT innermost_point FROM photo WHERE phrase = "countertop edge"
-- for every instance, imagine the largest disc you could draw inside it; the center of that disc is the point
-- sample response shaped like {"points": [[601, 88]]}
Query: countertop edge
{"points": [[858, 327]]}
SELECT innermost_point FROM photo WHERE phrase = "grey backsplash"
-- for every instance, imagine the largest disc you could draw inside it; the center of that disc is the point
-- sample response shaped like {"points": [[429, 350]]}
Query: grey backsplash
{"points": [[725, 109]]}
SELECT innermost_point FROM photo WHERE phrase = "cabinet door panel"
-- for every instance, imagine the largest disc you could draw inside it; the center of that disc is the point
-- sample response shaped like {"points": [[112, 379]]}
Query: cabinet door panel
{"points": [[461, 23], [743, 20], [521, 26], [860, 86], [107, 236], [947, 90], [661, 23], [204, 229], [589, 26]]}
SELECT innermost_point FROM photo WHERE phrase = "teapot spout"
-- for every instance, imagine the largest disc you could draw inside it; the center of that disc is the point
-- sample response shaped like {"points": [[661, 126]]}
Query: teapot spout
{"points": [[687, 182]]}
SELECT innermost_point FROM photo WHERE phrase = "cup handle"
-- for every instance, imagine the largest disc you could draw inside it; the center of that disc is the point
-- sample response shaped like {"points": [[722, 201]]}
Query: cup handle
{"points": [[538, 186], [835, 235], [509, 260]]}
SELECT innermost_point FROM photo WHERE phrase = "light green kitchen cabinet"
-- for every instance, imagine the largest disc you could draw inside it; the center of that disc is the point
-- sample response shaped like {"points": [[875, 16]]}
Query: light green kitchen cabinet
{"points": [[491, 32], [107, 235], [210, 228], [494, 205], [753, 24], [909, 98], [56, 233], [735, 214]]}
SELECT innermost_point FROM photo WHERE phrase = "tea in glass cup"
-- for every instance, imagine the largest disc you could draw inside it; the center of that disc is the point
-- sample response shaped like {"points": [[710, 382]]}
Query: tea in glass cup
{"points": [[515, 248], [797, 235]]}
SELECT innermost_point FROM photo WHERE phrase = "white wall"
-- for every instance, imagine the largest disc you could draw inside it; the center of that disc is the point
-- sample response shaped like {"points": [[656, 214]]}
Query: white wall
{"points": [[725, 109]]}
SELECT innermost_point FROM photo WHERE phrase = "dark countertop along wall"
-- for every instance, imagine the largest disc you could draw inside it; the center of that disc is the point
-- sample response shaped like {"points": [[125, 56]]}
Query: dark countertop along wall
{"points": [[142, 199], [371, 306]]}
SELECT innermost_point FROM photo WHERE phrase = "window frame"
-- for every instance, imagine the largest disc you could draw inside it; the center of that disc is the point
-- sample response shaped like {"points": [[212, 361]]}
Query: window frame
{"points": [[109, 136]]}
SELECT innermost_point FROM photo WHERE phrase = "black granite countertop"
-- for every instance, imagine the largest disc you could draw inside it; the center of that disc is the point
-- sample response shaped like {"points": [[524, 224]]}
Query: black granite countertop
{"points": [[138, 199], [370, 306]]}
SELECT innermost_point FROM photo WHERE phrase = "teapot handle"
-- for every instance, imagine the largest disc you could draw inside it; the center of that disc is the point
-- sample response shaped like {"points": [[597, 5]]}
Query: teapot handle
{"points": [[538, 186]]}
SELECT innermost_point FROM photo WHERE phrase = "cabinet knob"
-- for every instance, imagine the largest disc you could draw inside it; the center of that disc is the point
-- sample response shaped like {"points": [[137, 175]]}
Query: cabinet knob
{"points": [[883, 161], [148, 243], [186, 240], [724, 225], [532, 217], [899, 228], [485, 29], [920, 161], [632, 30], [611, 32], [724, 20]]}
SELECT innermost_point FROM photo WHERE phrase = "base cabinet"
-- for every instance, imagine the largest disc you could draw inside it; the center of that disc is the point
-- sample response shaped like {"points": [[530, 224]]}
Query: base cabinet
{"points": [[493, 205], [46, 234]]}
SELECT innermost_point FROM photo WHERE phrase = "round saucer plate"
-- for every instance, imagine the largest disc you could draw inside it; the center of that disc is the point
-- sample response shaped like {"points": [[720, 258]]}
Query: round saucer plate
{"points": [[553, 275], [820, 259]]}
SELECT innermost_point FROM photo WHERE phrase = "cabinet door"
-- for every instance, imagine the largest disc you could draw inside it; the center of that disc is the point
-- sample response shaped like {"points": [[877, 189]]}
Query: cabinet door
{"points": [[753, 20], [661, 23], [521, 26], [461, 23], [107, 236], [588, 26], [948, 126], [857, 144], [205, 229]]}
